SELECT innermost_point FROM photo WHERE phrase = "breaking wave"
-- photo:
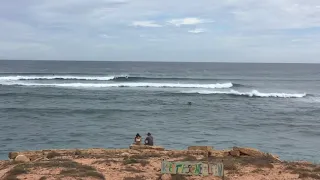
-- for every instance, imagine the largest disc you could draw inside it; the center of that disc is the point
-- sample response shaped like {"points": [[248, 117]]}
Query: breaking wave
{"points": [[138, 78], [109, 85], [253, 93], [115, 78], [54, 77], [120, 78]]}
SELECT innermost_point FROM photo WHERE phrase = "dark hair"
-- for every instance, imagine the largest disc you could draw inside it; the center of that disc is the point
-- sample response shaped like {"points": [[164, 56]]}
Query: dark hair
{"points": [[138, 135]]}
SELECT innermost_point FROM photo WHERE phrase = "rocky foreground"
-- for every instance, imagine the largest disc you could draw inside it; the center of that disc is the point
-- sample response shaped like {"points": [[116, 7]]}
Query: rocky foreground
{"points": [[144, 163]]}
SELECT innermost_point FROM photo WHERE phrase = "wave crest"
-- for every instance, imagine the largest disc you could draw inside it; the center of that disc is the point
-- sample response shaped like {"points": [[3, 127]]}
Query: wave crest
{"points": [[54, 77], [106, 85], [253, 93]]}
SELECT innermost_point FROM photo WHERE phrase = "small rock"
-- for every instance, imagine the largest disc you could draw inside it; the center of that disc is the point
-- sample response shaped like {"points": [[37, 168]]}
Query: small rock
{"points": [[235, 153], [305, 162], [274, 157], [249, 152], [12, 155], [132, 151], [157, 169], [201, 148], [22, 158], [166, 177], [139, 147], [125, 154], [77, 152], [226, 154]]}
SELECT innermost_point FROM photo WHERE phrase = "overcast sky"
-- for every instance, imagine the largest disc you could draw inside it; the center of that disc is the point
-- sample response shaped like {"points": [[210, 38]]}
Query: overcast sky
{"points": [[161, 30]]}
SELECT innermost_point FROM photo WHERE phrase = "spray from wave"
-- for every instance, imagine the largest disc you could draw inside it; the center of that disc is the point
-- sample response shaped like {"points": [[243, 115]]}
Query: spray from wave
{"points": [[109, 85], [253, 93]]}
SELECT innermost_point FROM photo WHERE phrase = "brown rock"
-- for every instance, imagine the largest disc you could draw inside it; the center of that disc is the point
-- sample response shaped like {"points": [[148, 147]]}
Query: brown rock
{"points": [[132, 151], [201, 148], [77, 152], [304, 162], [166, 177], [227, 153], [274, 157], [12, 155], [136, 147], [249, 152], [22, 158], [125, 154], [235, 153]]}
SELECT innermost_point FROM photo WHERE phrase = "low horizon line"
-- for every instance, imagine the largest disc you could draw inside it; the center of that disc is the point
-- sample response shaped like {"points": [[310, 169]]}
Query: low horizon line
{"points": [[242, 62]]}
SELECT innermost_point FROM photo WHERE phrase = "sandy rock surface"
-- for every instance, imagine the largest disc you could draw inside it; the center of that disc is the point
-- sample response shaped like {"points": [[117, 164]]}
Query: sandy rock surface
{"points": [[145, 164]]}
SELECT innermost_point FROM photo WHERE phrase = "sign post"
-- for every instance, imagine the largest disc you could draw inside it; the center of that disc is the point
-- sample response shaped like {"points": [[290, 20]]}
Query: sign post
{"points": [[192, 168]]}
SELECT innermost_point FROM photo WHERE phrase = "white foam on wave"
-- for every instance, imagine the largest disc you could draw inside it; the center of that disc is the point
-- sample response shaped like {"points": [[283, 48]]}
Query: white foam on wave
{"points": [[17, 78], [108, 85], [253, 93]]}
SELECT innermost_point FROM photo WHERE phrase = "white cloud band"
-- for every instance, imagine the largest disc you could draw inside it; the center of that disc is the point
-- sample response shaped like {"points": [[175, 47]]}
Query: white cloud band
{"points": [[145, 24], [197, 31], [188, 21]]}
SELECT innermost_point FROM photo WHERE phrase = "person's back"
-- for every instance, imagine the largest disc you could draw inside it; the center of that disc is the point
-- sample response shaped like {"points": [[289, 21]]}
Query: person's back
{"points": [[149, 140]]}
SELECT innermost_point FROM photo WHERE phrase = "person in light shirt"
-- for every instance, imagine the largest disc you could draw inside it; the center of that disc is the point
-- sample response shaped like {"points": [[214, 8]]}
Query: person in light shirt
{"points": [[137, 139]]}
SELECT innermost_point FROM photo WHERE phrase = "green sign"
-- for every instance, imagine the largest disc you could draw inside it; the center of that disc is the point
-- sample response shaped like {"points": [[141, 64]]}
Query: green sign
{"points": [[192, 168]]}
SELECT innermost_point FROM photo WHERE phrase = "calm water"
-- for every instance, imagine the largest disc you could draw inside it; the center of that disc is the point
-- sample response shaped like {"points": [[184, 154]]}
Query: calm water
{"points": [[272, 107]]}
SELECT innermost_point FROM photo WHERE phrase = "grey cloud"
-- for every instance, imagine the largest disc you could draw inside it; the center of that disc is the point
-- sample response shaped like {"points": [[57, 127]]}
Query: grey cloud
{"points": [[79, 7], [73, 29]]}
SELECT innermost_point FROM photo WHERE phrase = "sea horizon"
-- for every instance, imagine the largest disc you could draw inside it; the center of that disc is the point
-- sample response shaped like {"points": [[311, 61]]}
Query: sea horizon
{"points": [[169, 61]]}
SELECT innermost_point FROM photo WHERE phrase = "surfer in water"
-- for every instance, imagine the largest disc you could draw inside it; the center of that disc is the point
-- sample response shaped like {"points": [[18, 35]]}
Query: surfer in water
{"points": [[189, 103]]}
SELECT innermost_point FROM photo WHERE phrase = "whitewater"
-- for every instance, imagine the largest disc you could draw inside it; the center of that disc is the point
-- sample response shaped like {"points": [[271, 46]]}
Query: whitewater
{"points": [[253, 93], [197, 88], [57, 77]]}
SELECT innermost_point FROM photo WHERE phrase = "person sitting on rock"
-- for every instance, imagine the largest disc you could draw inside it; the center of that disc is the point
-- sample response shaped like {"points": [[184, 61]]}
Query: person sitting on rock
{"points": [[149, 140], [137, 139]]}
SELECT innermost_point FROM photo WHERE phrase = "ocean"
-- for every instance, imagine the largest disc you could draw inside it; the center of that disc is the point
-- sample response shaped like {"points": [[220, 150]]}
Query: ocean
{"points": [[72, 104]]}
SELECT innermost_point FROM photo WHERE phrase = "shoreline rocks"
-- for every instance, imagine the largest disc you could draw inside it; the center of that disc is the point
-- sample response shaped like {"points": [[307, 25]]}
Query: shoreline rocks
{"points": [[249, 152], [201, 148], [12, 155], [144, 162], [22, 158], [139, 147]]}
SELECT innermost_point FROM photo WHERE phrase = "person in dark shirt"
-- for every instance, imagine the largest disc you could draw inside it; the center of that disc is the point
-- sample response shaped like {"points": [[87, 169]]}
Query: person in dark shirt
{"points": [[149, 140]]}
